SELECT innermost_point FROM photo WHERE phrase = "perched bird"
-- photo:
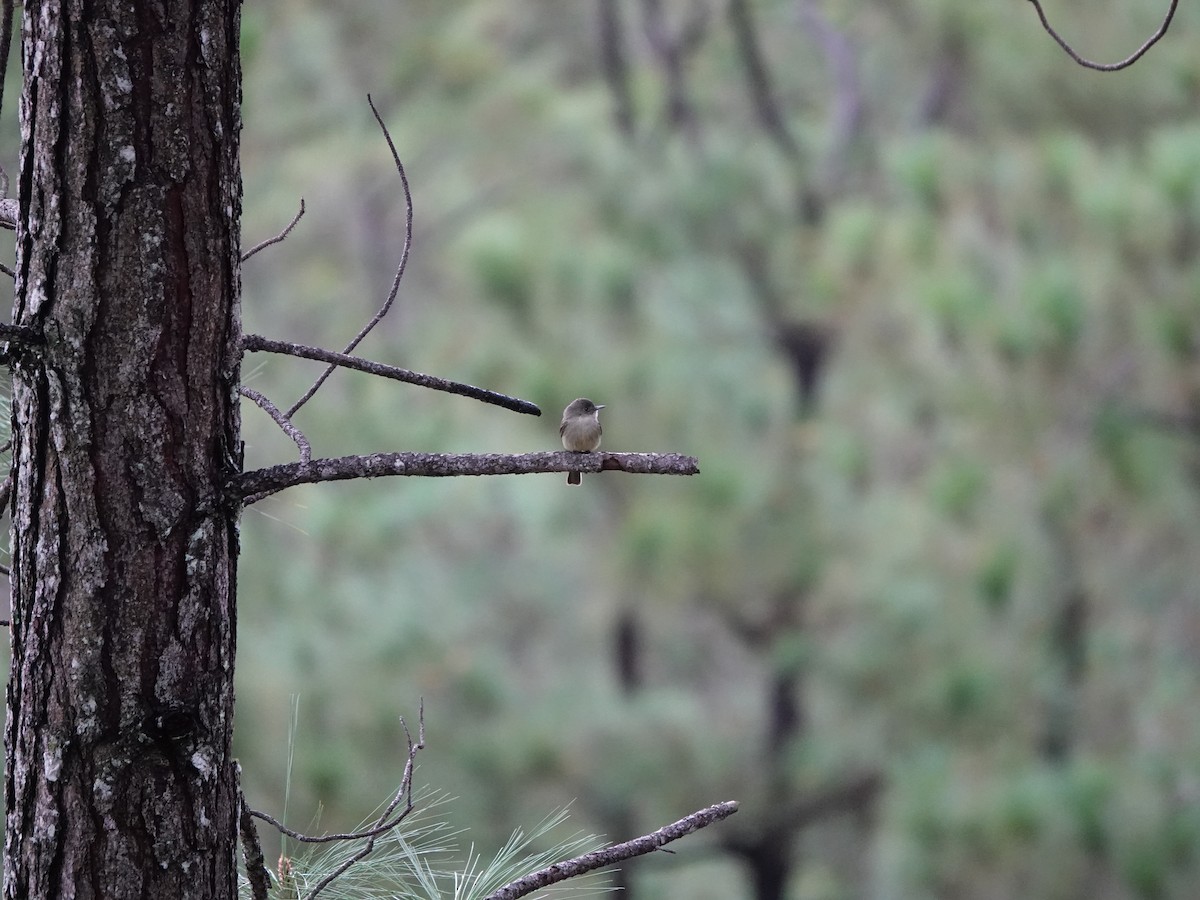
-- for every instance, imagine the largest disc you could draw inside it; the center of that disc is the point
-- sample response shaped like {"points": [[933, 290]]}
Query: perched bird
{"points": [[580, 429]]}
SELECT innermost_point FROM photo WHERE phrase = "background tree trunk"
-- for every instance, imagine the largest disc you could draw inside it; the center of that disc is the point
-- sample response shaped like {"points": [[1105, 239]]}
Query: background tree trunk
{"points": [[119, 780]]}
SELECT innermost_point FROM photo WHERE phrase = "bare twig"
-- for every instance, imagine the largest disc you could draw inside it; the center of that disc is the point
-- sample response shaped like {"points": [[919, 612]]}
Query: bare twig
{"points": [[278, 238], [387, 820], [598, 859], [257, 342], [253, 486], [384, 823], [405, 792], [281, 420], [1107, 67], [391, 297]]}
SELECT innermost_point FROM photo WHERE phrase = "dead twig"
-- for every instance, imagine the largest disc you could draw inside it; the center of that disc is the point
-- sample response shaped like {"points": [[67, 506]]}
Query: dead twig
{"points": [[391, 297], [598, 859], [281, 420], [1107, 67], [387, 820], [254, 342], [250, 487], [279, 238]]}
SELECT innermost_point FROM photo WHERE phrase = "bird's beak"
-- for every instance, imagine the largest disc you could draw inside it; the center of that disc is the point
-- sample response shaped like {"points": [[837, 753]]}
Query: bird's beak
{"points": [[599, 406]]}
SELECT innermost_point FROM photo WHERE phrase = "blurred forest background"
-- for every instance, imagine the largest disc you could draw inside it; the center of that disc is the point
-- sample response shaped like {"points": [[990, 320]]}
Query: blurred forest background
{"points": [[923, 297]]}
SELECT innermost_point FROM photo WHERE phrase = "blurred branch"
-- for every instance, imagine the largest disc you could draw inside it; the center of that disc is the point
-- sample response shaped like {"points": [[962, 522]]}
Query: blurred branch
{"points": [[945, 77], [758, 77], [6, 23], [1107, 67], [278, 238], [10, 208], [672, 52], [846, 117], [252, 342], [387, 820], [259, 483], [614, 64], [281, 420], [599, 859], [1179, 423], [391, 297]]}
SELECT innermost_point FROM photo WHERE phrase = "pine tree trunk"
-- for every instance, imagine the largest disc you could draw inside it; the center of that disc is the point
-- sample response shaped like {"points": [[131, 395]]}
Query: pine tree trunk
{"points": [[119, 776]]}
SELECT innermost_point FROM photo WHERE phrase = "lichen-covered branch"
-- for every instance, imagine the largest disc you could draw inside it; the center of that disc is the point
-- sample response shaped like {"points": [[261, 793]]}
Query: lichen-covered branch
{"points": [[255, 485]]}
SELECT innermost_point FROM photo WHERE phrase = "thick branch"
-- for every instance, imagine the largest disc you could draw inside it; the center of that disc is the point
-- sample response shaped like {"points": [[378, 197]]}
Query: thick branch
{"points": [[599, 859], [255, 485], [1107, 67], [253, 342]]}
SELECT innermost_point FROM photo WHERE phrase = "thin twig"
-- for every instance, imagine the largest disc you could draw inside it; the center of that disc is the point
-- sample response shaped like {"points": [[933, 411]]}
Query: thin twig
{"points": [[405, 791], [386, 821], [254, 342], [1107, 67], [281, 420], [598, 859], [278, 238], [391, 297], [250, 487]]}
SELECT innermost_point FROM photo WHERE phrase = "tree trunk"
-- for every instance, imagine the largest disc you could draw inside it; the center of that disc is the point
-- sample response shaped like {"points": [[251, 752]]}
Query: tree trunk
{"points": [[119, 778]]}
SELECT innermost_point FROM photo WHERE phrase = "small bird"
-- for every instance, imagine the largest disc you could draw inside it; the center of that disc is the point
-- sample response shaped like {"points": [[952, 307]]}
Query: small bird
{"points": [[580, 429]]}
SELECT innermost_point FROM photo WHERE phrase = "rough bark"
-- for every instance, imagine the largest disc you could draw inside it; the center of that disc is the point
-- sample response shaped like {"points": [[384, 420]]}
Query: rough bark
{"points": [[119, 776]]}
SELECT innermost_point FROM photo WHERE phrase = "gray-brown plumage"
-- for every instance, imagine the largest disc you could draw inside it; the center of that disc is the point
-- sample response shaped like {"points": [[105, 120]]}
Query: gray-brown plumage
{"points": [[580, 429]]}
